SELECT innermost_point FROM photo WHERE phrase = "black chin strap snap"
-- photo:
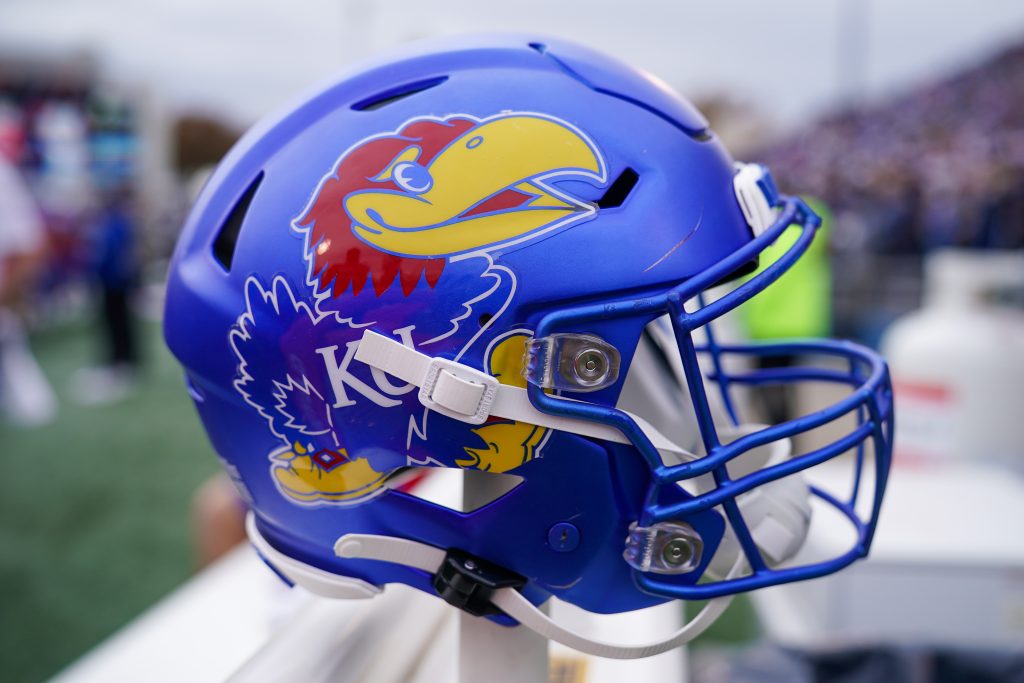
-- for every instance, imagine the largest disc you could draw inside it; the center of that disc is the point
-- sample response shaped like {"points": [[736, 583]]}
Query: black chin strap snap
{"points": [[468, 582]]}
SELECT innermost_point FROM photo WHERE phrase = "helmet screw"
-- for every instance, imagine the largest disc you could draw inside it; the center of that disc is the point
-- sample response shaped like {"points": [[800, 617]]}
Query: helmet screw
{"points": [[678, 551], [470, 565], [564, 537], [590, 364]]}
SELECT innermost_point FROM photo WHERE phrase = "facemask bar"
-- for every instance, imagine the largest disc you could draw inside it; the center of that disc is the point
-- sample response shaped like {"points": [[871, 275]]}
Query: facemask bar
{"points": [[870, 401]]}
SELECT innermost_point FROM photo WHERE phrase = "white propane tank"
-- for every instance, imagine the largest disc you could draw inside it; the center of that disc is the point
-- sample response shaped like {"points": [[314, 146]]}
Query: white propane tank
{"points": [[958, 363]]}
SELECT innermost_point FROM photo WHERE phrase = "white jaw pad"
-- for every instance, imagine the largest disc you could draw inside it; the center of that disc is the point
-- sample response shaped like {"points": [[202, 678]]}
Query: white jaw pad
{"points": [[778, 513]]}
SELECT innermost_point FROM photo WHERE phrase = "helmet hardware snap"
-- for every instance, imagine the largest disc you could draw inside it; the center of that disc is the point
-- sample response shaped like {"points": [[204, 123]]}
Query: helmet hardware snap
{"points": [[571, 362]]}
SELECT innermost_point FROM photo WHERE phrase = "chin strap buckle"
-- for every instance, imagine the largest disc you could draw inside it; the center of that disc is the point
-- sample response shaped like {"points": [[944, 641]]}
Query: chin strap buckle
{"points": [[458, 391], [446, 386], [469, 583]]}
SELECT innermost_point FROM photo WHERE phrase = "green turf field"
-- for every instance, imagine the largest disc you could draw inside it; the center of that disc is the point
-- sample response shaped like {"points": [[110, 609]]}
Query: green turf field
{"points": [[94, 509], [94, 520]]}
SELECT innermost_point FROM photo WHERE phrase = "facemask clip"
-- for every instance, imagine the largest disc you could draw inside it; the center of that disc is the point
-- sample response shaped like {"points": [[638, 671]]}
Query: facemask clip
{"points": [[663, 548], [571, 362]]}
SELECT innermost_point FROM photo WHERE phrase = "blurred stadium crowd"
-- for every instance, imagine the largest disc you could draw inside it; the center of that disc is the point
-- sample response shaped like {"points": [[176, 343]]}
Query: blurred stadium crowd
{"points": [[940, 166]]}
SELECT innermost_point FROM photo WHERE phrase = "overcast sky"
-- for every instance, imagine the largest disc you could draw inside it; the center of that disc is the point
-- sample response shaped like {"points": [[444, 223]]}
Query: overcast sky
{"points": [[243, 58]]}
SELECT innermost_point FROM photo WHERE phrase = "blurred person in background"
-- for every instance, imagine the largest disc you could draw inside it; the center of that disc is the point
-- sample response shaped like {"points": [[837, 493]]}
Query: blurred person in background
{"points": [[26, 397], [115, 271], [1002, 223], [797, 307]]}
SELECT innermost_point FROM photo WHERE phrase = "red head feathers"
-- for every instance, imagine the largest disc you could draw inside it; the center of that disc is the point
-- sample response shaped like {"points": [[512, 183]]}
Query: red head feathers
{"points": [[340, 259]]}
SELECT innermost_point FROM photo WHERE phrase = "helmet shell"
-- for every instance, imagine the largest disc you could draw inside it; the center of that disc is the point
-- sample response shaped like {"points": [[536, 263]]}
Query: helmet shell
{"points": [[356, 210]]}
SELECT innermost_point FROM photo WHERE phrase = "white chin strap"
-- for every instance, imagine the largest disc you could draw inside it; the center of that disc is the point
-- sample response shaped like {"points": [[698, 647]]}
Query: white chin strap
{"points": [[511, 601], [467, 394], [779, 512]]}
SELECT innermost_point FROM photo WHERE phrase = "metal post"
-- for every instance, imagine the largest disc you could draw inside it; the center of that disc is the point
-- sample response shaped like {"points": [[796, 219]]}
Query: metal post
{"points": [[852, 48], [487, 651]]}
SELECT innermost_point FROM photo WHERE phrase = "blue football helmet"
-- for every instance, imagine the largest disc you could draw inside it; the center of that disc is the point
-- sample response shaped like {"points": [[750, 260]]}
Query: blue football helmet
{"points": [[502, 256]]}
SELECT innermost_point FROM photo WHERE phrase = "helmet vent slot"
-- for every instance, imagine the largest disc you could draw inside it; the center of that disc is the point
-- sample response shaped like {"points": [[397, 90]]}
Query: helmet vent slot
{"points": [[400, 92], [227, 239], [616, 194], [447, 486]]}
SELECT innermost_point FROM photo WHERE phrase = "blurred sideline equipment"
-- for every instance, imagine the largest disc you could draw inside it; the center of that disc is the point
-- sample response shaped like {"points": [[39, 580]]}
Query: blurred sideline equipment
{"points": [[958, 375], [951, 577], [487, 256], [958, 363]]}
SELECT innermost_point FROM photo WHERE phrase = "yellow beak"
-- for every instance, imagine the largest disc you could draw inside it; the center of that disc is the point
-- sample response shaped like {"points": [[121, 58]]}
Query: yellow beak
{"points": [[515, 152]]}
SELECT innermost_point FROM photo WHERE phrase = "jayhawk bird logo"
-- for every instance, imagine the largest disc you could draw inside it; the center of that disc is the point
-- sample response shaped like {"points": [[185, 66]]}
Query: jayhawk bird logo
{"points": [[405, 234]]}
